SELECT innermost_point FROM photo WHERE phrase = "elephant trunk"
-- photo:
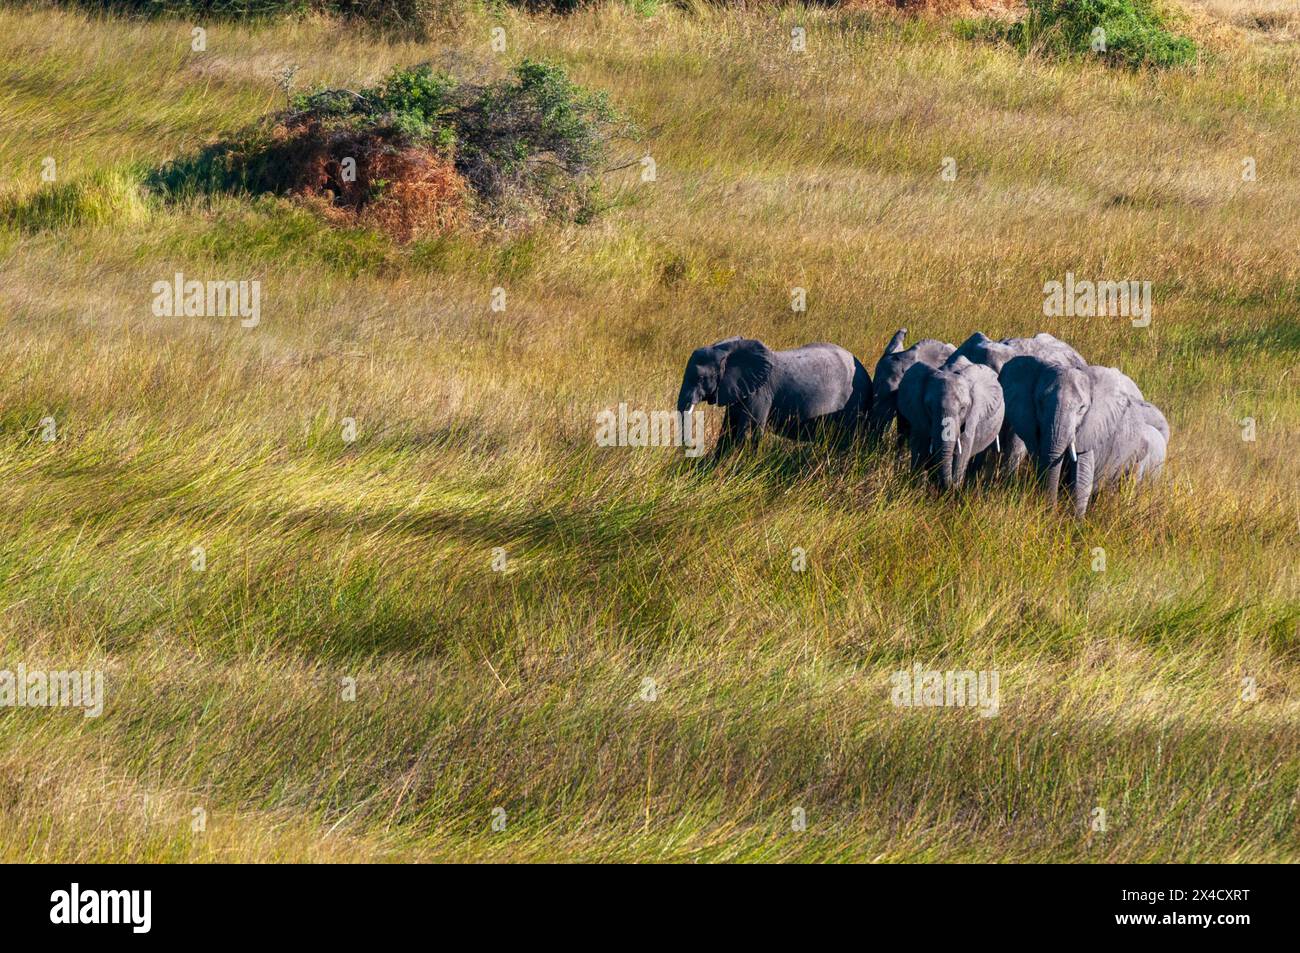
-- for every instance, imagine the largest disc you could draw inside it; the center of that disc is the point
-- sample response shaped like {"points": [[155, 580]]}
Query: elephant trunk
{"points": [[949, 474], [1059, 440], [948, 477], [1053, 479], [961, 462]]}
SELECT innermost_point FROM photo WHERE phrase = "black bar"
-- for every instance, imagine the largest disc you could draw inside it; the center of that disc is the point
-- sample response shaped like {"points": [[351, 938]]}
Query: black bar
{"points": [[943, 904]]}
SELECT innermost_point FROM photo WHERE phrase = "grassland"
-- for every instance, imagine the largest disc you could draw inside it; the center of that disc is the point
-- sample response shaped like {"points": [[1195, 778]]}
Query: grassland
{"points": [[523, 689]]}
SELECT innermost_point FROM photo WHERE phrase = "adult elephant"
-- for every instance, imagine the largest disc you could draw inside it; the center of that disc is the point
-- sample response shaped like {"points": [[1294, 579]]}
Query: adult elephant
{"points": [[1087, 426], [894, 363], [979, 348], [954, 414], [791, 392]]}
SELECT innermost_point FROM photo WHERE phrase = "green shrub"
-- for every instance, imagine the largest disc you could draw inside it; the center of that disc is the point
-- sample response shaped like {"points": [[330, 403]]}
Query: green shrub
{"points": [[537, 135], [1130, 33]]}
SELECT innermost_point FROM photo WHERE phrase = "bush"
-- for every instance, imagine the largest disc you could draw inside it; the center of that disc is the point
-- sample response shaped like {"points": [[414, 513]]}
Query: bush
{"points": [[1134, 32], [428, 151]]}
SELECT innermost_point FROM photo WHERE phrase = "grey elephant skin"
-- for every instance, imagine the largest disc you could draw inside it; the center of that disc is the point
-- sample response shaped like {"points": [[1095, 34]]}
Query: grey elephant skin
{"points": [[894, 363], [954, 414], [1086, 427], [792, 392], [979, 348]]}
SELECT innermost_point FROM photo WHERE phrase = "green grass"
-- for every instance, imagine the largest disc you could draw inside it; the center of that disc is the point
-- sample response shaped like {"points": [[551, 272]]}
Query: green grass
{"points": [[522, 689]]}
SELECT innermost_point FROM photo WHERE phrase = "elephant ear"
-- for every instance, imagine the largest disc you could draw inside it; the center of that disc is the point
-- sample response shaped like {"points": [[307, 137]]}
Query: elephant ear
{"points": [[911, 396], [744, 370], [895, 343], [1152, 417], [970, 348], [986, 408], [1109, 403]]}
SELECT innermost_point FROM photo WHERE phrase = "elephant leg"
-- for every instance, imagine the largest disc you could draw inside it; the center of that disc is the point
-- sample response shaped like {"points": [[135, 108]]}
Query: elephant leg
{"points": [[1014, 451], [919, 441], [744, 425], [871, 425], [904, 433], [878, 419], [843, 433], [858, 423], [1084, 472], [757, 408], [734, 429]]}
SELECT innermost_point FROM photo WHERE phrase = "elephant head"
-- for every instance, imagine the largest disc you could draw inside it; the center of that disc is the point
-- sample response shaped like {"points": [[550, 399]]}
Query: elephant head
{"points": [[892, 367], [724, 373], [1060, 411], [954, 412], [981, 349]]}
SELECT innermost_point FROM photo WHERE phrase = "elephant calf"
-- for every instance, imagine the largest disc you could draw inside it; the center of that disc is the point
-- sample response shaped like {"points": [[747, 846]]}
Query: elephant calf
{"points": [[893, 364], [792, 392], [954, 414], [1085, 426]]}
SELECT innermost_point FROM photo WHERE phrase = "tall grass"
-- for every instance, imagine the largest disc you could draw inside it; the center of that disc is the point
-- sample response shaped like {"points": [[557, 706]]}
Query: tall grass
{"points": [[525, 689]]}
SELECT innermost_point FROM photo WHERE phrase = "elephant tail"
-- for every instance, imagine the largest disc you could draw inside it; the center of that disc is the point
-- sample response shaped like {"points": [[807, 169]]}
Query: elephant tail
{"points": [[896, 342]]}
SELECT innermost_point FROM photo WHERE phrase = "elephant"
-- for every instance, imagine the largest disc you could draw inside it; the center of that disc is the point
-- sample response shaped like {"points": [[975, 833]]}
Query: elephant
{"points": [[1085, 426], [982, 349], [954, 413], [893, 364], [792, 392]]}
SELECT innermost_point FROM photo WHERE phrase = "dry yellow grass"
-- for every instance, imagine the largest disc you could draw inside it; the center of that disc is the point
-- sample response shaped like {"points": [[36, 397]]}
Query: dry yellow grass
{"points": [[1275, 20]]}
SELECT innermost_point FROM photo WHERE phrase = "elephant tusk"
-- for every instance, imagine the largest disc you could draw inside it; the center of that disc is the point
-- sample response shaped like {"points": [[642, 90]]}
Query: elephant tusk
{"points": [[690, 409], [1074, 456], [997, 444], [959, 444]]}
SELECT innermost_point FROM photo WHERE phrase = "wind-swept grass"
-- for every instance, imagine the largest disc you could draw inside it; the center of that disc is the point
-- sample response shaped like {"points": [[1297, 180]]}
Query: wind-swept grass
{"points": [[526, 689]]}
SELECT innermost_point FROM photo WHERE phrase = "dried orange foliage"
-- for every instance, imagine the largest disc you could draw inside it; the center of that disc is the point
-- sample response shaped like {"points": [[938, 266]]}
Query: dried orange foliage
{"points": [[406, 191]]}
